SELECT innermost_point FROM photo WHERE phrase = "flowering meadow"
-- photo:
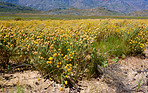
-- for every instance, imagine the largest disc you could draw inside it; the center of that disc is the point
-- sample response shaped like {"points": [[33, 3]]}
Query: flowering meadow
{"points": [[68, 50]]}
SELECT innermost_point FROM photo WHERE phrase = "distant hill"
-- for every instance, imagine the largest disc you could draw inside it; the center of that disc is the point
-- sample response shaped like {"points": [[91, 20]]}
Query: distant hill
{"points": [[12, 8], [123, 6], [139, 13], [86, 12]]}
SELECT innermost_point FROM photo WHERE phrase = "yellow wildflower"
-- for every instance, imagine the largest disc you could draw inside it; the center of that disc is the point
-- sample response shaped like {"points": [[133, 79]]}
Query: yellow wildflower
{"points": [[58, 66], [66, 67], [66, 82], [48, 62], [55, 55], [50, 58], [61, 88], [39, 79]]}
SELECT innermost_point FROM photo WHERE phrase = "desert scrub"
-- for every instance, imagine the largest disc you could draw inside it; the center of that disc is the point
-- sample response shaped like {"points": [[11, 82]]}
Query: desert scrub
{"points": [[137, 39], [64, 60], [122, 38], [8, 44], [69, 50]]}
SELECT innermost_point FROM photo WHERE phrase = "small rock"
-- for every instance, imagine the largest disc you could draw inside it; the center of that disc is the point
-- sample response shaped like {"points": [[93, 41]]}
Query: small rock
{"points": [[139, 71], [134, 79], [7, 78], [36, 83], [125, 72], [147, 76], [136, 74]]}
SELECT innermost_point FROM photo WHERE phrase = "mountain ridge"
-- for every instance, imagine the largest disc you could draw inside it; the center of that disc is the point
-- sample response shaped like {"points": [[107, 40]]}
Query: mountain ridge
{"points": [[139, 13], [12, 8], [99, 11], [123, 6]]}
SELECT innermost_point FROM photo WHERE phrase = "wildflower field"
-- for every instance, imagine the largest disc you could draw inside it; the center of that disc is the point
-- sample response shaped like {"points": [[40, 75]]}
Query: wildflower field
{"points": [[68, 50]]}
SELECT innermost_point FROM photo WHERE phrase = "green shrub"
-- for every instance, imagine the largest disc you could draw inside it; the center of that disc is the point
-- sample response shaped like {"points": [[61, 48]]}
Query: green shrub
{"points": [[18, 19]]}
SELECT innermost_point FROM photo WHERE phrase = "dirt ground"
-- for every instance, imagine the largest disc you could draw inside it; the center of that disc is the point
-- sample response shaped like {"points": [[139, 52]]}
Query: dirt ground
{"points": [[129, 75]]}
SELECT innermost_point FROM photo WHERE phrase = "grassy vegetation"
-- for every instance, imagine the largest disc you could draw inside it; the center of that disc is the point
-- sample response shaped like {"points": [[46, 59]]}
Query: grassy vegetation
{"points": [[26, 16]]}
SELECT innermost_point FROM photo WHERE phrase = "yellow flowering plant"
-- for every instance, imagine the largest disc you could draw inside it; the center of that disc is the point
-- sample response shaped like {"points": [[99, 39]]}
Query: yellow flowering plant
{"points": [[68, 50]]}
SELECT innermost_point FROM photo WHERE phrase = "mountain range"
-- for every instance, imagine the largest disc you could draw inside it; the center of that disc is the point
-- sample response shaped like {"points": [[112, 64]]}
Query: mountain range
{"points": [[139, 13], [9, 8], [99, 11], [122, 6]]}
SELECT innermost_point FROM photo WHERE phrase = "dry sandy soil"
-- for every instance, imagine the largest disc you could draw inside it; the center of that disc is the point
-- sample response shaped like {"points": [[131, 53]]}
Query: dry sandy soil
{"points": [[129, 75]]}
